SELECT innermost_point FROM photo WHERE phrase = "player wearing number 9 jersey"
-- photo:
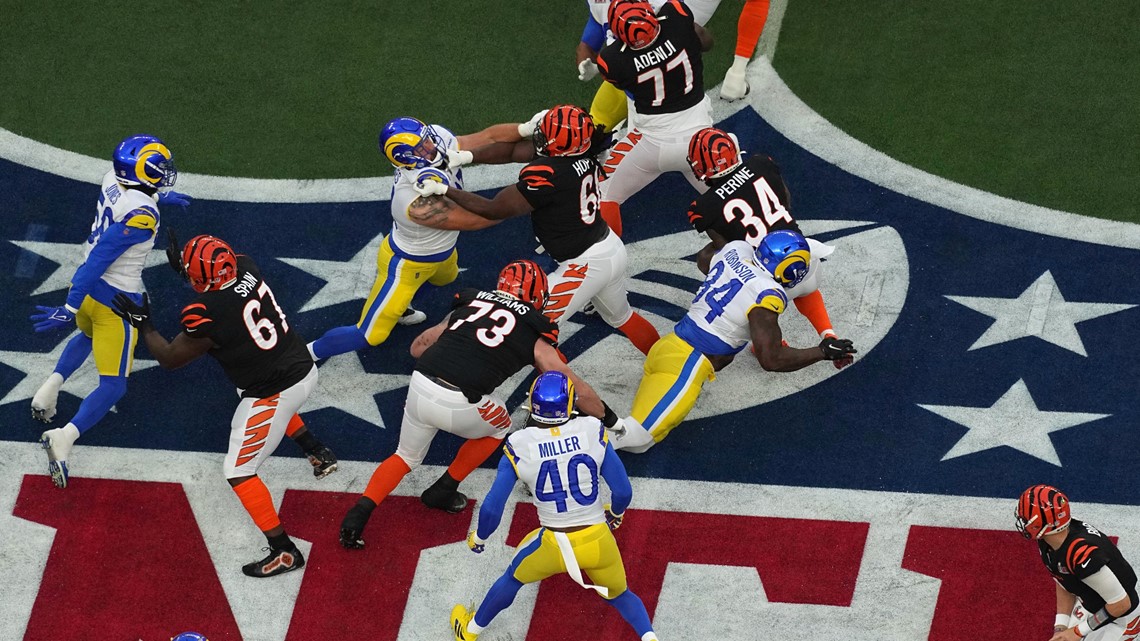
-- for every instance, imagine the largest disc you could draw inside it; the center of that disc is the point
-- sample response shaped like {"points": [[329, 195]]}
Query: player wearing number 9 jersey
{"points": [[487, 338], [741, 299], [237, 320], [560, 191], [560, 457]]}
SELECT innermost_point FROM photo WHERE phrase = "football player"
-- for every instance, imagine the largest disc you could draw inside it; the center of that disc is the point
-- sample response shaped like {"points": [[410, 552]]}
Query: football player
{"points": [[126, 222], [559, 190], [555, 451], [742, 298], [420, 248], [656, 59], [747, 199], [1089, 571], [487, 338], [237, 320]]}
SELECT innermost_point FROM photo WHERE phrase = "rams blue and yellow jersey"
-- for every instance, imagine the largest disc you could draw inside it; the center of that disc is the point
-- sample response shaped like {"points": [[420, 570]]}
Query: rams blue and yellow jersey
{"points": [[410, 239], [561, 464]]}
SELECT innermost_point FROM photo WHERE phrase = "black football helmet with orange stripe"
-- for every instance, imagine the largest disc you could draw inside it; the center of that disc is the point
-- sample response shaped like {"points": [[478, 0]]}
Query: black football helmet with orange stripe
{"points": [[208, 262], [524, 280], [1041, 510], [565, 130], [713, 153], [634, 22]]}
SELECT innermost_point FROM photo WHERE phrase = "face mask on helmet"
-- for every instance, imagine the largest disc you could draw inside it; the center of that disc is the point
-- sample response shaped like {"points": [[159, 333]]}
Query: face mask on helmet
{"points": [[713, 153], [1041, 510], [552, 398], [565, 130], [144, 161], [209, 263], [786, 256], [408, 143], [524, 280]]}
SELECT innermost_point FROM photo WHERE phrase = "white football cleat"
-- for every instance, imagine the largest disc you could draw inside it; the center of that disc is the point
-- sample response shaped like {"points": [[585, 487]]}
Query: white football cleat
{"points": [[57, 458], [734, 86], [43, 403], [412, 317]]}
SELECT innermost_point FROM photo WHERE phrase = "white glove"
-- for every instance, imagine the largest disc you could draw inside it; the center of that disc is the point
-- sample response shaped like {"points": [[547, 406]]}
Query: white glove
{"points": [[526, 129], [430, 182], [587, 69], [458, 157]]}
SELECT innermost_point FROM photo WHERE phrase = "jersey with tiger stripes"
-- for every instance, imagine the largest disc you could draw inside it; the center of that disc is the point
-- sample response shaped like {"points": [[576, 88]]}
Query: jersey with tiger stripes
{"points": [[563, 192], [665, 77], [253, 341], [489, 337], [1085, 551], [746, 204]]}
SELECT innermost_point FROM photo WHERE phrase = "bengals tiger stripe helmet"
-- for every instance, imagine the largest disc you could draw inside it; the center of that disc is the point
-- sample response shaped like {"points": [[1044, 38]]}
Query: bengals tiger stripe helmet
{"points": [[565, 130], [209, 262], [634, 22], [524, 280], [1041, 510], [712, 153]]}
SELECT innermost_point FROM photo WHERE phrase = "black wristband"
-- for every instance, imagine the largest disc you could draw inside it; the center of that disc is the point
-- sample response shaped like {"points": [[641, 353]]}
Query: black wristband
{"points": [[610, 419]]}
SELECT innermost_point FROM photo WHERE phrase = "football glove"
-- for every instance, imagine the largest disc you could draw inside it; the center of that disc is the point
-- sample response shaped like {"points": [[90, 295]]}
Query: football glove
{"points": [[587, 69], [174, 253], [174, 198], [130, 311], [837, 348], [476, 544], [458, 157], [51, 318], [526, 129], [429, 187], [613, 520]]}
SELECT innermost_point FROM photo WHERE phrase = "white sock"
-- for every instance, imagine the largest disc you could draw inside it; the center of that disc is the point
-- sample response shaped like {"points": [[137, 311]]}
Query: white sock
{"points": [[649, 636], [474, 628], [311, 352], [740, 63]]}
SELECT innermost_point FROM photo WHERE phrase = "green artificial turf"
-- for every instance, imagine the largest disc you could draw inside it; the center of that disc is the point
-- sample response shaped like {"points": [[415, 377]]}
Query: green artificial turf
{"points": [[288, 90], [1036, 101]]}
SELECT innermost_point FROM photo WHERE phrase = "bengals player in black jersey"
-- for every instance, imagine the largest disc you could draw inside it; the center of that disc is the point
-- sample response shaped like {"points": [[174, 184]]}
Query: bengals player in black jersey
{"points": [[487, 338], [747, 199], [559, 189], [656, 59], [1086, 566], [236, 319]]}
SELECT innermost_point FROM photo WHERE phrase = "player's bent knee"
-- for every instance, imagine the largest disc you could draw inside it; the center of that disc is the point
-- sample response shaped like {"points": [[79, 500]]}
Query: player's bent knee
{"points": [[411, 460]]}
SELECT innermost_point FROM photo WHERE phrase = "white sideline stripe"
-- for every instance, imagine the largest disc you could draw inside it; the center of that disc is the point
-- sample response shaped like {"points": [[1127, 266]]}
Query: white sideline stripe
{"points": [[770, 97]]}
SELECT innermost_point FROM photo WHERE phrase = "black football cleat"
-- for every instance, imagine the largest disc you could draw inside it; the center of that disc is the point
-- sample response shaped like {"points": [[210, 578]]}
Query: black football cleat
{"points": [[323, 461], [352, 528], [279, 561], [451, 501]]}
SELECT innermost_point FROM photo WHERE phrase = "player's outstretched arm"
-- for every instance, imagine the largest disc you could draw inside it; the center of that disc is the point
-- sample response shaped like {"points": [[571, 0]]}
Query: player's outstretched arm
{"points": [[491, 510], [613, 471], [170, 355], [440, 212], [508, 203], [767, 342], [546, 359]]}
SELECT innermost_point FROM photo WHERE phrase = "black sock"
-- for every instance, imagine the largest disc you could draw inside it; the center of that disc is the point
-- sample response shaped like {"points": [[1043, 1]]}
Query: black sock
{"points": [[308, 442], [366, 505], [280, 542], [446, 482]]}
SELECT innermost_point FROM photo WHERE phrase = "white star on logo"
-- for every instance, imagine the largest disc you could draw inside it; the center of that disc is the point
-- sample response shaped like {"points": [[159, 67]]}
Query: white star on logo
{"points": [[343, 384], [81, 383], [68, 257], [1039, 311], [1013, 420], [345, 280]]}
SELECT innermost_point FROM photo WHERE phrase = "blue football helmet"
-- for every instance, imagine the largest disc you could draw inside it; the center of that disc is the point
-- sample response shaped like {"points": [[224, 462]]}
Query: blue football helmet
{"points": [[552, 398], [189, 636], [408, 143], [144, 161], [786, 256]]}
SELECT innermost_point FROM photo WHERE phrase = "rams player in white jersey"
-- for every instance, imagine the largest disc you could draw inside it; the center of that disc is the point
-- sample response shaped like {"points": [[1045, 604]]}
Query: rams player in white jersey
{"points": [[741, 299], [559, 457], [114, 255], [421, 247]]}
